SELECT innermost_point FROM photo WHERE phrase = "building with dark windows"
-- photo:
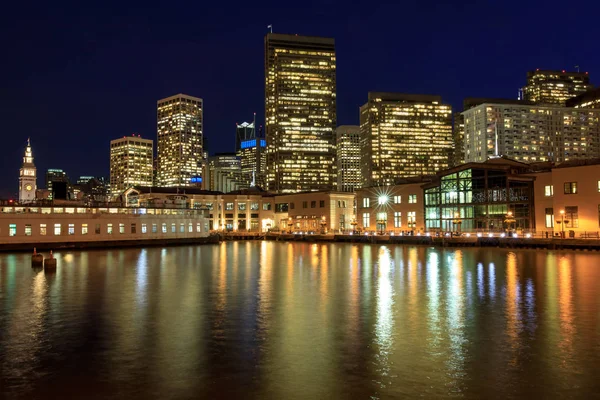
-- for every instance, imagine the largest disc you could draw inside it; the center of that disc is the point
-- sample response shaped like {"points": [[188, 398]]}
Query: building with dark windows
{"points": [[300, 112], [458, 138], [481, 197], [404, 135], [555, 87], [347, 139], [180, 141], [589, 99], [530, 133], [57, 179]]}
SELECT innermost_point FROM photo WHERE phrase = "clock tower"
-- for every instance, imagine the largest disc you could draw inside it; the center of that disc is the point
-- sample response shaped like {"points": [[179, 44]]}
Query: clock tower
{"points": [[27, 177]]}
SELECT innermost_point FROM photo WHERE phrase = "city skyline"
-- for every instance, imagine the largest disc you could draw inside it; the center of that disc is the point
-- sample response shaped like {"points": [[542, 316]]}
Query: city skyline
{"points": [[120, 100]]}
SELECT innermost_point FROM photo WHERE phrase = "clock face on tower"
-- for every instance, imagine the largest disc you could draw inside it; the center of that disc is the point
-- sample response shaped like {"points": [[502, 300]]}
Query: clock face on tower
{"points": [[28, 187]]}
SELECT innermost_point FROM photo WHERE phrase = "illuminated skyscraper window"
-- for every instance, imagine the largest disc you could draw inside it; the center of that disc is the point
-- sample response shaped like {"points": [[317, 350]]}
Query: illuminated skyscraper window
{"points": [[131, 159], [300, 111], [404, 135], [555, 87], [179, 144], [530, 133], [251, 150], [347, 141]]}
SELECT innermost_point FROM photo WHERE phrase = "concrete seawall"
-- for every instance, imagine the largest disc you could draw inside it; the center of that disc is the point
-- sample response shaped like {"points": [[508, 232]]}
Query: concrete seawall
{"points": [[474, 241], [17, 247]]}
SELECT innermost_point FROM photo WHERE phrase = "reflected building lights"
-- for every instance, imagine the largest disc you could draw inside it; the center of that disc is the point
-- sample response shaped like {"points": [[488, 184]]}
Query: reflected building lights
{"points": [[513, 312], [385, 322], [492, 281]]}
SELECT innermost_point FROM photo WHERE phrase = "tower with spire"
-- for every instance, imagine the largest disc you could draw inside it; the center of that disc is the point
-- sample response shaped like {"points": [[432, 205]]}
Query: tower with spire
{"points": [[27, 177]]}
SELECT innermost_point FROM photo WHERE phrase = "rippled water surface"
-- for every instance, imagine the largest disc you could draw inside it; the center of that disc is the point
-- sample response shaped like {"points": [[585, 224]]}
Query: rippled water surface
{"points": [[301, 321]]}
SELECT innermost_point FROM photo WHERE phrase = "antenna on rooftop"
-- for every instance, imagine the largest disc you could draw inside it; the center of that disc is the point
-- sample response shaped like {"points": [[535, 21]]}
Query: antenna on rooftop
{"points": [[577, 68], [270, 27]]}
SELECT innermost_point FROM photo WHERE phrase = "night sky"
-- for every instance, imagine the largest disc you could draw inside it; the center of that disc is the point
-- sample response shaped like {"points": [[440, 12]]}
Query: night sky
{"points": [[74, 77]]}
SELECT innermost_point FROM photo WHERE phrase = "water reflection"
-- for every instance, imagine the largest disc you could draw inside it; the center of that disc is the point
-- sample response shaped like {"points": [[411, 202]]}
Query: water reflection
{"points": [[294, 320], [385, 323]]}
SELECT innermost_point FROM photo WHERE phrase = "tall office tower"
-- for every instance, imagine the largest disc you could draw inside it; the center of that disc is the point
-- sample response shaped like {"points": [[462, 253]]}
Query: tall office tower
{"points": [[27, 177], [57, 176], [131, 159], [403, 135], [250, 149], [531, 133], [458, 137], [555, 87], [179, 144], [225, 173], [300, 111], [589, 99], [347, 140]]}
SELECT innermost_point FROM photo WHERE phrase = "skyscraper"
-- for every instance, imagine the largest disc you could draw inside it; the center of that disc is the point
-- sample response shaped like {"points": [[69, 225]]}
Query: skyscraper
{"points": [[57, 176], [589, 99], [531, 133], [555, 87], [179, 144], [458, 137], [250, 149], [300, 111], [225, 173], [347, 139], [27, 177], [404, 135], [131, 159]]}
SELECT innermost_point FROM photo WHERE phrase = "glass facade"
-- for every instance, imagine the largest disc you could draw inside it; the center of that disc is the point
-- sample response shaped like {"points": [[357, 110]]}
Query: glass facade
{"points": [[300, 112], [479, 199], [180, 140], [403, 136], [251, 150]]}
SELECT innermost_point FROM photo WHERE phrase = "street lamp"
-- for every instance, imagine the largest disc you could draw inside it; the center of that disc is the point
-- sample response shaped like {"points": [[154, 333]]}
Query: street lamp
{"points": [[323, 225], [353, 223], [290, 224], [382, 221], [457, 221], [562, 223], [509, 220]]}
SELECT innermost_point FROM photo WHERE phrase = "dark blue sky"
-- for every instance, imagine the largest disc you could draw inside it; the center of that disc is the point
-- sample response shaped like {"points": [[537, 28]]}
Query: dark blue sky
{"points": [[76, 76]]}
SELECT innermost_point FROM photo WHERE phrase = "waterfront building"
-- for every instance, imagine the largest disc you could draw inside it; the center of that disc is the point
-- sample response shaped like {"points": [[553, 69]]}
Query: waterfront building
{"points": [[347, 140], [75, 224], [589, 99], [567, 199], [57, 184], [555, 87], [396, 209], [27, 177], [479, 196], [225, 173], [131, 159], [251, 151], [255, 210], [316, 212], [248, 210], [180, 140], [530, 133], [300, 112], [404, 135]]}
